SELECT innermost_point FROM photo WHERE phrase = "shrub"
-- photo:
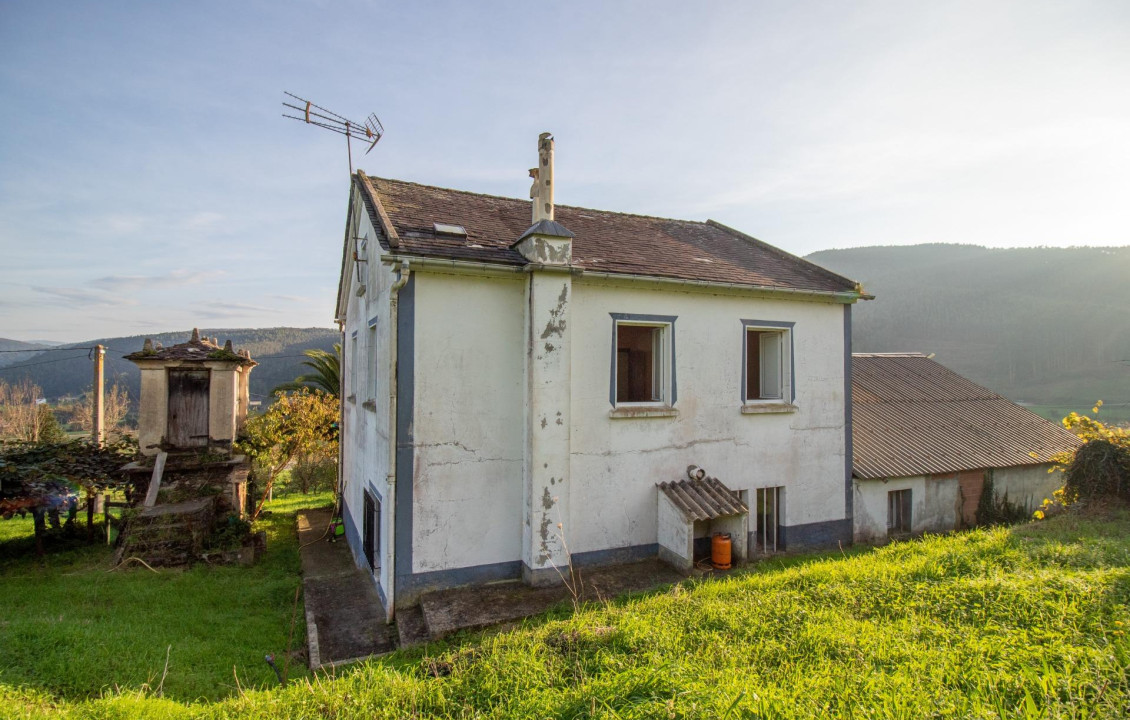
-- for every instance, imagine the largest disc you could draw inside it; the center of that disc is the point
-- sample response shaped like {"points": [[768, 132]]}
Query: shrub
{"points": [[995, 509], [1100, 468]]}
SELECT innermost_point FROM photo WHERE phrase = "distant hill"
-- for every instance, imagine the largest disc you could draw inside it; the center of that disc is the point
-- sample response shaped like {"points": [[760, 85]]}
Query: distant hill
{"points": [[1048, 327], [9, 348], [64, 370]]}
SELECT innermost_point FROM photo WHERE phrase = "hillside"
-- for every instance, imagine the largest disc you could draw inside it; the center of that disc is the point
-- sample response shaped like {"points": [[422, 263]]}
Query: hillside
{"points": [[17, 351], [1043, 326], [64, 371]]}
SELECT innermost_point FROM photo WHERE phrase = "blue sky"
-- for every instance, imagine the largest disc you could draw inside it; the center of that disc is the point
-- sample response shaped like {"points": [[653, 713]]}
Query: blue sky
{"points": [[148, 181]]}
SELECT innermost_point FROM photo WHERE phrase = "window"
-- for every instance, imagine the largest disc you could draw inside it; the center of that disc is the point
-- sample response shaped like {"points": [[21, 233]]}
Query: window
{"points": [[371, 530], [898, 512], [643, 360], [767, 362], [767, 520], [372, 365], [353, 366]]}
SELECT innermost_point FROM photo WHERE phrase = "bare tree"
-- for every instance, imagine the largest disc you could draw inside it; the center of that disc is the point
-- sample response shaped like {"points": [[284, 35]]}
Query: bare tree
{"points": [[19, 410], [115, 406]]}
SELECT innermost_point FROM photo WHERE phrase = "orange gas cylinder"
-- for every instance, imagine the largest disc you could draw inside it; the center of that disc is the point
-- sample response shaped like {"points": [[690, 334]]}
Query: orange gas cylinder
{"points": [[720, 551]]}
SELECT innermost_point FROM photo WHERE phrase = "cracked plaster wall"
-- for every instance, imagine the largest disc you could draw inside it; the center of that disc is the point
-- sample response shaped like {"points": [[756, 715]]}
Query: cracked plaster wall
{"points": [[616, 462], [469, 420], [365, 460]]}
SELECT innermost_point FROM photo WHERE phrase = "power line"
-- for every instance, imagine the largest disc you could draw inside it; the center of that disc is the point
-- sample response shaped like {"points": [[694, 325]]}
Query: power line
{"points": [[44, 362], [43, 350]]}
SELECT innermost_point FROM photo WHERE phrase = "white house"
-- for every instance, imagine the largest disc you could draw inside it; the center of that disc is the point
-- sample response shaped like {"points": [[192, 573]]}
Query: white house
{"points": [[927, 442], [519, 377]]}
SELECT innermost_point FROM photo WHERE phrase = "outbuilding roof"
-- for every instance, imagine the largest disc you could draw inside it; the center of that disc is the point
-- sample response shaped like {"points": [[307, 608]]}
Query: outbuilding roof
{"points": [[603, 241], [704, 499], [195, 348], [912, 416]]}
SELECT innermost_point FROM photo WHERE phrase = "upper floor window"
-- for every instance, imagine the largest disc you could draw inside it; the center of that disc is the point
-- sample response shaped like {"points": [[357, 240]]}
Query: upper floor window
{"points": [[643, 360], [767, 361]]}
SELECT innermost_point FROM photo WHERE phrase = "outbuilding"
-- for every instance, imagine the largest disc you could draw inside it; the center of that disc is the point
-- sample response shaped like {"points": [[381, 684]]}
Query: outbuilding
{"points": [[928, 443]]}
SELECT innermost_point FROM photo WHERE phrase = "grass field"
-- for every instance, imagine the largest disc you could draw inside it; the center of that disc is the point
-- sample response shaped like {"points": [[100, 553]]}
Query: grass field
{"points": [[1026, 622], [73, 630]]}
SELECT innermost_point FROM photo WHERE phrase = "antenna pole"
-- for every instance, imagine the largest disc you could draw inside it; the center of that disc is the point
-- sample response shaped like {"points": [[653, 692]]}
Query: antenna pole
{"points": [[349, 148], [369, 131]]}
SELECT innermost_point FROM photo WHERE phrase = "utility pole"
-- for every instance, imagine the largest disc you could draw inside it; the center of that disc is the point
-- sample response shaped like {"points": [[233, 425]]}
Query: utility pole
{"points": [[96, 429]]}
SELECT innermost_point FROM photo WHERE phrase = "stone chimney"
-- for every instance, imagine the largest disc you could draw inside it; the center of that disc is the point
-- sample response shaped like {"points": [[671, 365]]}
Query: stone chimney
{"points": [[541, 193]]}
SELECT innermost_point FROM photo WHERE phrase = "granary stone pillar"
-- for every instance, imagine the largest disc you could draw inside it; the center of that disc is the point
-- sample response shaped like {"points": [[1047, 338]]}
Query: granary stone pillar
{"points": [[548, 248], [153, 409]]}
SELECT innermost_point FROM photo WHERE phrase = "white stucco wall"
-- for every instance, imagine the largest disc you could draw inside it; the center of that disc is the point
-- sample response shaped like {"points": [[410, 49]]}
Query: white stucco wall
{"points": [[616, 462], [1027, 485], [935, 505], [469, 422], [936, 500], [365, 438]]}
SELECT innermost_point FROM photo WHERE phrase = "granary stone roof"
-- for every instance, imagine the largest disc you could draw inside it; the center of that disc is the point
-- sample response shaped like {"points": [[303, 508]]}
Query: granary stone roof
{"points": [[608, 242], [196, 349], [912, 416]]}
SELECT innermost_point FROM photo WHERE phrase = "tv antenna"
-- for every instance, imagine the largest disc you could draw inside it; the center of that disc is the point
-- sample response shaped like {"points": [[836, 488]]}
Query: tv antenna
{"points": [[369, 131]]}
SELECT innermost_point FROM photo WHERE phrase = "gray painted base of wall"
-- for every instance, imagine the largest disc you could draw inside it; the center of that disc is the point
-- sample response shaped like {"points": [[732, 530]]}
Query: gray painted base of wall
{"points": [[830, 533], [409, 588], [543, 577], [680, 563], [616, 556]]}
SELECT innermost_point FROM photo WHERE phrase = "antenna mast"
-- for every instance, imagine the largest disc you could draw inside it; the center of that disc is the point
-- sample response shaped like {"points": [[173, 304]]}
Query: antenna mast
{"points": [[370, 131]]}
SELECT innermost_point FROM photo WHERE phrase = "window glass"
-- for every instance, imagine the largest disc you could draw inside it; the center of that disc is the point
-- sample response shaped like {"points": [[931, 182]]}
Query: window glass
{"points": [[766, 370], [639, 370], [373, 362]]}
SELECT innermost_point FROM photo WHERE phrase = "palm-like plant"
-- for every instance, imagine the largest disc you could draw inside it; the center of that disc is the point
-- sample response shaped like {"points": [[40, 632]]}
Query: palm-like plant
{"points": [[326, 375]]}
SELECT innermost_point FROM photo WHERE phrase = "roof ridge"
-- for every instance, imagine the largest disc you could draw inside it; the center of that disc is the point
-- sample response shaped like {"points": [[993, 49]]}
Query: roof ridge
{"points": [[890, 354], [785, 253], [557, 205]]}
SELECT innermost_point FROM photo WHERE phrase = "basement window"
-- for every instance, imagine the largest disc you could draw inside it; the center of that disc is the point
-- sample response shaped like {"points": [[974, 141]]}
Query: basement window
{"points": [[371, 531], [767, 365], [449, 229], [767, 519], [898, 513], [643, 364]]}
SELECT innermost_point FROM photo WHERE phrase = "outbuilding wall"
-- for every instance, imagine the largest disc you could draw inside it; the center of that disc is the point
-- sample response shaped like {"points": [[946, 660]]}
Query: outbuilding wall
{"points": [[936, 500], [1027, 485]]}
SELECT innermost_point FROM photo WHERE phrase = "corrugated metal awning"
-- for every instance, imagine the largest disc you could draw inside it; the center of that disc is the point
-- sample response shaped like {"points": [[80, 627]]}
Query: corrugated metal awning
{"points": [[703, 499]]}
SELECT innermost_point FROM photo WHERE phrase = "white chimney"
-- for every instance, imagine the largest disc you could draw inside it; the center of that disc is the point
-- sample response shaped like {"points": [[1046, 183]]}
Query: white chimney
{"points": [[541, 193]]}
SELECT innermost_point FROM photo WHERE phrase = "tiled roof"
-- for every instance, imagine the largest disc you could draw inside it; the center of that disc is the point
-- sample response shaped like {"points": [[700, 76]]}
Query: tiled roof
{"points": [[605, 241], [703, 499], [912, 416]]}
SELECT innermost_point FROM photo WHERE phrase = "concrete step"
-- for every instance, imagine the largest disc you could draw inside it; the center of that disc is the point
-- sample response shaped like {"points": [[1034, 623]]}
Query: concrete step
{"points": [[411, 628]]}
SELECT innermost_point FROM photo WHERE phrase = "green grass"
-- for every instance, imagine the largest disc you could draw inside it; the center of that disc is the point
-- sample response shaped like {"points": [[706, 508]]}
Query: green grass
{"points": [[1025, 622], [72, 630]]}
